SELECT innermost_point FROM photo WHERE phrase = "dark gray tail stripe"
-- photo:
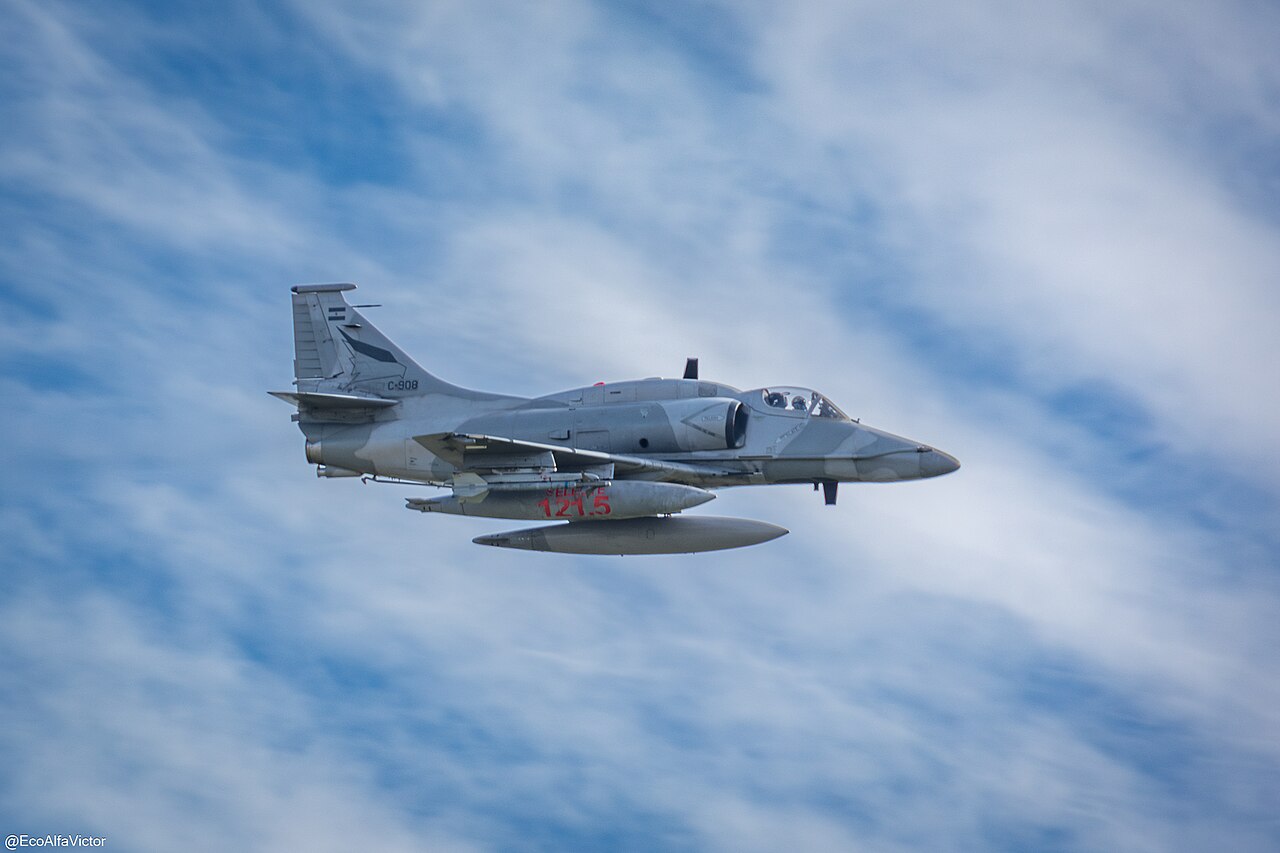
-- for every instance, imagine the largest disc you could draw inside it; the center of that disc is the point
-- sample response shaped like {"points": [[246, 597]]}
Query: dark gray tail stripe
{"points": [[376, 353]]}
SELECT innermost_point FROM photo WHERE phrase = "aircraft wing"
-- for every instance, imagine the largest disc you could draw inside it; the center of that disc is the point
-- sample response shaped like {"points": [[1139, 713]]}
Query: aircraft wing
{"points": [[471, 452], [333, 401]]}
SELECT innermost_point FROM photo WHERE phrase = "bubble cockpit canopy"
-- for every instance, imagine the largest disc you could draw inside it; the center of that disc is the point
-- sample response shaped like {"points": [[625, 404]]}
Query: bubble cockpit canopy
{"points": [[799, 401]]}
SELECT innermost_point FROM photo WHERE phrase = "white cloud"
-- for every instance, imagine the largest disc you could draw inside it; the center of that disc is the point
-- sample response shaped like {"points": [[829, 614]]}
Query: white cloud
{"points": [[858, 683], [1048, 206]]}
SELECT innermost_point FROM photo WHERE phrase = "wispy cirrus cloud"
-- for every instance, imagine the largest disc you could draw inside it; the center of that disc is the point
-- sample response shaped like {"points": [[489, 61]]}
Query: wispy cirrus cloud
{"points": [[952, 223], [1053, 175]]}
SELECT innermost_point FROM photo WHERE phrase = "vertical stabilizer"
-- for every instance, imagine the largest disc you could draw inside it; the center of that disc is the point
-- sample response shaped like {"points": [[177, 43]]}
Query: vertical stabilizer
{"points": [[336, 349]]}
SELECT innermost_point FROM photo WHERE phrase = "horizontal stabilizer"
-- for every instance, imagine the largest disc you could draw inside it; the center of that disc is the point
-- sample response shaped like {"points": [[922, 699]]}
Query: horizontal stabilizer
{"points": [[321, 400]]}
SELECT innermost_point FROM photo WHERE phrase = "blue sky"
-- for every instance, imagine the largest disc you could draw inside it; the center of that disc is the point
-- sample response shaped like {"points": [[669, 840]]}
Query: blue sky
{"points": [[1046, 239]]}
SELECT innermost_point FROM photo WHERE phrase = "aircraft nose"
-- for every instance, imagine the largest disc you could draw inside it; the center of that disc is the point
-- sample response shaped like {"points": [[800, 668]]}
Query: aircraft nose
{"points": [[935, 463]]}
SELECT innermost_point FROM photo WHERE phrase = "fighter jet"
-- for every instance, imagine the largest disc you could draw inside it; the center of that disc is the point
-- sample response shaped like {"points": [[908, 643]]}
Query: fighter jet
{"points": [[610, 465]]}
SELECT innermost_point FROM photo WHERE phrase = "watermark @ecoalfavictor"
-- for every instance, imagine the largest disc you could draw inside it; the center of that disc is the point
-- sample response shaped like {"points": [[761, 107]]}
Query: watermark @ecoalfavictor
{"points": [[15, 842]]}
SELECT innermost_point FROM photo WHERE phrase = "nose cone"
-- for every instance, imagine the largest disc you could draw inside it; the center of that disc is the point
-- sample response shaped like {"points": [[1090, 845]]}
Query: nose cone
{"points": [[935, 463]]}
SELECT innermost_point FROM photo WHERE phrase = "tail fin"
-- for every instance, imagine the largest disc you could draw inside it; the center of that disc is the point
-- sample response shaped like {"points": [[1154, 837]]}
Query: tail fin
{"points": [[336, 350]]}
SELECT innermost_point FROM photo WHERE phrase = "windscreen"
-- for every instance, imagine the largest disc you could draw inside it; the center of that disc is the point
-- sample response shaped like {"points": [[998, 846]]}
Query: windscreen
{"points": [[800, 401]]}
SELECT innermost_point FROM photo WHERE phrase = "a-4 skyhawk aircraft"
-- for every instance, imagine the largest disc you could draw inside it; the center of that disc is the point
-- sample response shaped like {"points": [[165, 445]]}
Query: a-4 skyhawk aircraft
{"points": [[616, 461]]}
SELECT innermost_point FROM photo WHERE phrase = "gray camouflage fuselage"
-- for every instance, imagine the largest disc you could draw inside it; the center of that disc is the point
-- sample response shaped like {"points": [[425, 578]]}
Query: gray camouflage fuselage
{"points": [[365, 407], [779, 445]]}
